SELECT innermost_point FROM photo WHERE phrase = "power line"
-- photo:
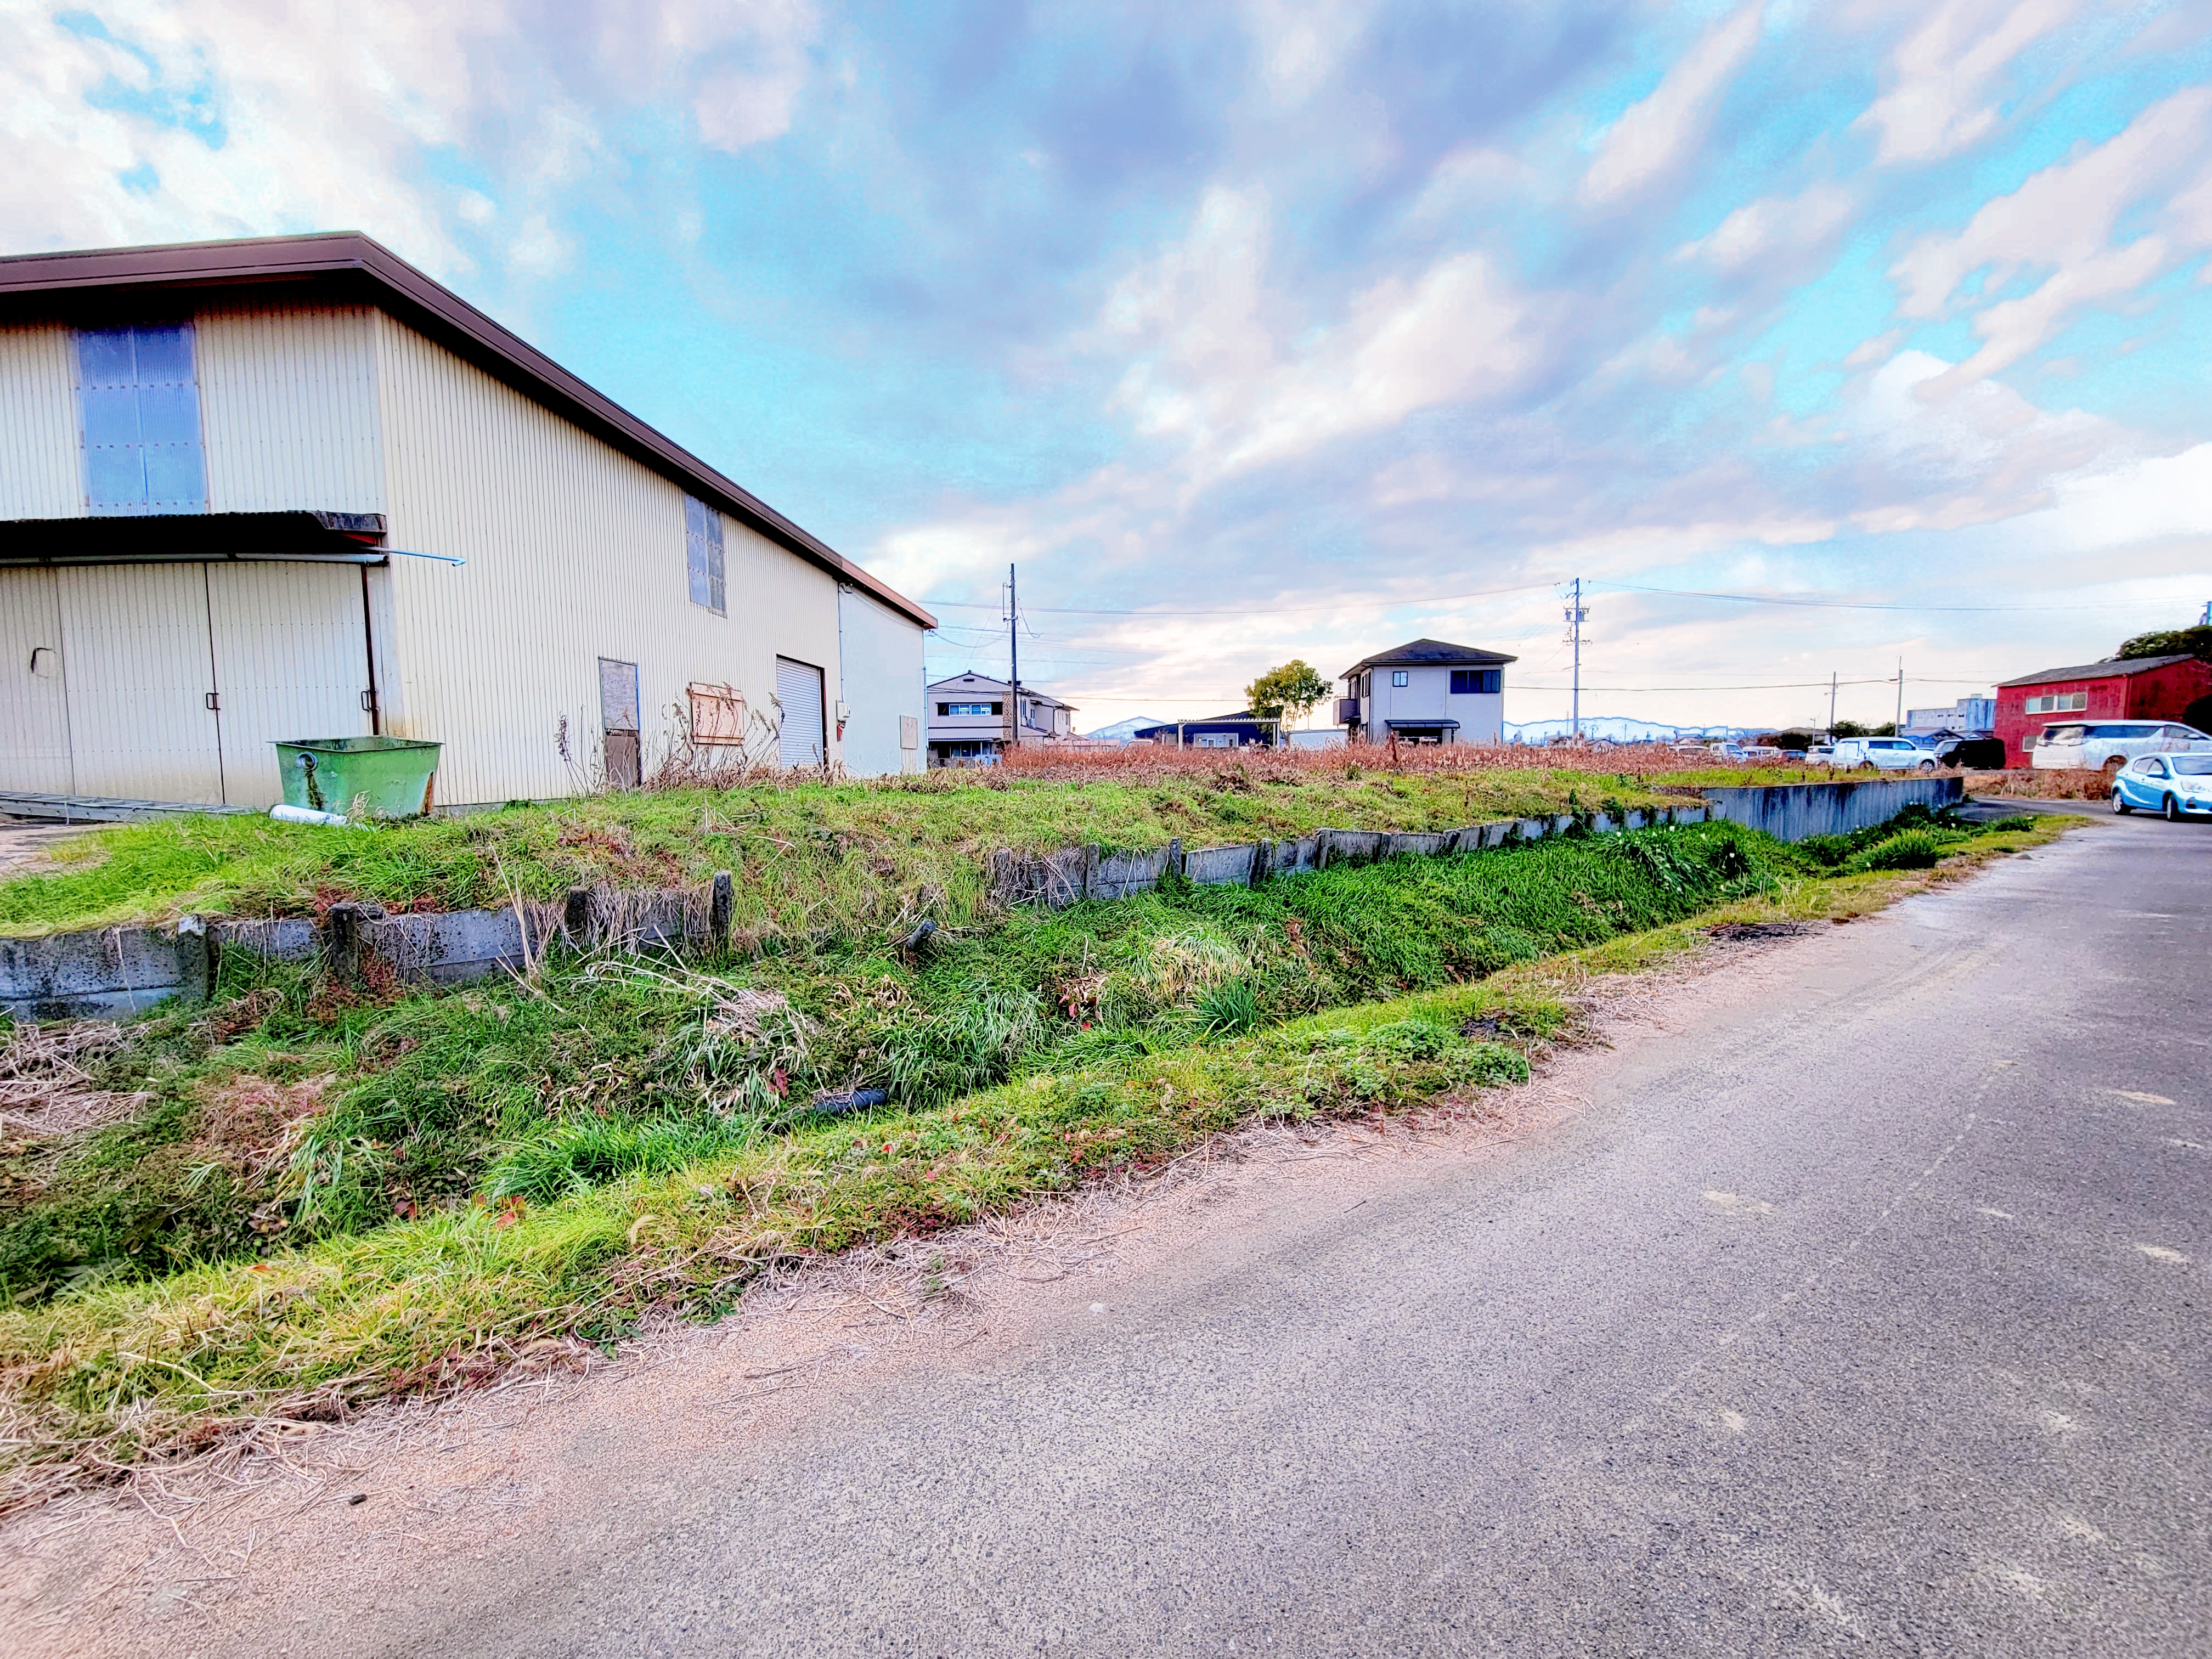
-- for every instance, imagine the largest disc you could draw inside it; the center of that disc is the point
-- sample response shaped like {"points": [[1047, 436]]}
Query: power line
{"points": [[1815, 602], [1250, 611], [1805, 601]]}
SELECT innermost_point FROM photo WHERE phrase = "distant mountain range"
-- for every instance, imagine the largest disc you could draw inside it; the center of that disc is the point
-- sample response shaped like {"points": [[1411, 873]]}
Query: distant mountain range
{"points": [[1122, 730], [1618, 728]]}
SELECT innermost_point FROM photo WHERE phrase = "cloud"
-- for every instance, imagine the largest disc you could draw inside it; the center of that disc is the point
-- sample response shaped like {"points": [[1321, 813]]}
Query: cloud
{"points": [[2063, 219], [749, 98], [1984, 454], [1460, 332], [1941, 72], [1652, 136], [1773, 222], [1300, 42], [1212, 367], [167, 120]]}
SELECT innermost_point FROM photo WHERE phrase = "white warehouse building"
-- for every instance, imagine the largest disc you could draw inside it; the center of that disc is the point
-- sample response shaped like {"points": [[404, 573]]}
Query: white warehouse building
{"points": [[291, 488]]}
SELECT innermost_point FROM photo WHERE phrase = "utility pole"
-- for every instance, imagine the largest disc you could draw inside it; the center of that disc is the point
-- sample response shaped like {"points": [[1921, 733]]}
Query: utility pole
{"points": [[1831, 702], [1576, 613], [1014, 656], [1900, 696]]}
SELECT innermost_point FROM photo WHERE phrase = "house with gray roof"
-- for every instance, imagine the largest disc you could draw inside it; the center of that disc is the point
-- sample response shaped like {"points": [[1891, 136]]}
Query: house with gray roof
{"points": [[1425, 691]]}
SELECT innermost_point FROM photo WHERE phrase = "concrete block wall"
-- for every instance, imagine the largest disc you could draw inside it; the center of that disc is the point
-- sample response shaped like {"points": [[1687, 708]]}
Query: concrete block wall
{"points": [[116, 972], [1793, 811]]}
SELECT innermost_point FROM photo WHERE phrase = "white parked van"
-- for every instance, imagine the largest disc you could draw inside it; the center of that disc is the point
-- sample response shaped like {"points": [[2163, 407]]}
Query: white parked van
{"points": [[1889, 754], [2108, 746]]}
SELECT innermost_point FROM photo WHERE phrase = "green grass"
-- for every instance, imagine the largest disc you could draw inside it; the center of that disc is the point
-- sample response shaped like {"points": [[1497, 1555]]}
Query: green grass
{"points": [[843, 856], [605, 1060], [606, 1150]]}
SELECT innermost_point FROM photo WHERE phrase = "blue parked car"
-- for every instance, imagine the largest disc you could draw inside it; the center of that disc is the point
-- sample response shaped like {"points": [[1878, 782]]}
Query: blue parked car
{"points": [[2176, 785]]}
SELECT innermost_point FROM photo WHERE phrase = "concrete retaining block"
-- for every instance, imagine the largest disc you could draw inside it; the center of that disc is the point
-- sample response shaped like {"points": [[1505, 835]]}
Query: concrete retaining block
{"points": [[278, 939], [119, 971], [455, 946], [1793, 811], [1125, 875], [1220, 866], [112, 974]]}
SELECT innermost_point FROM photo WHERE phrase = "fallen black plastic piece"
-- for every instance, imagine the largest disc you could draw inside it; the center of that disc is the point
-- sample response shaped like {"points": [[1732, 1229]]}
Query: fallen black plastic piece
{"points": [[852, 1100]]}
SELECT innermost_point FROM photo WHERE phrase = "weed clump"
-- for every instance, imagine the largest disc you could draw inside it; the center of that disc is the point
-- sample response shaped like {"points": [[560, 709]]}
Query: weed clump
{"points": [[1908, 849]]}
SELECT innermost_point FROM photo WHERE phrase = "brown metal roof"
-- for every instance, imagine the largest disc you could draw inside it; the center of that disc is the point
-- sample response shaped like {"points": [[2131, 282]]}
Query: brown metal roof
{"points": [[348, 265], [2098, 671]]}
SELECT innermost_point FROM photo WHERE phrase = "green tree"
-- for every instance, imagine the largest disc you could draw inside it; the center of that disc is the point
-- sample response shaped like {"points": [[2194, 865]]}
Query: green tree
{"points": [[2170, 642], [1290, 692]]}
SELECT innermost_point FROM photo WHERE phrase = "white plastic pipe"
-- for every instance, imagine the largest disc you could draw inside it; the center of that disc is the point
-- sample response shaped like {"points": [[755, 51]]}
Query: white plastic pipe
{"points": [[284, 814]]}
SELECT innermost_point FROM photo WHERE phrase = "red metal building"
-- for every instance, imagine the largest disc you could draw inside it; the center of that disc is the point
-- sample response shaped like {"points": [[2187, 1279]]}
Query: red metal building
{"points": [[2133, 689]]}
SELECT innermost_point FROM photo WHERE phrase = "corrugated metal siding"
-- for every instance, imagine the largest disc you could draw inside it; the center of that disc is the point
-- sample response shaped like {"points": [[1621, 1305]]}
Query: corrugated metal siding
{"points": [[575, 553], [135, 641], [288, 400], [40, 476], [33, 707], [882, 654], [290, 662]]}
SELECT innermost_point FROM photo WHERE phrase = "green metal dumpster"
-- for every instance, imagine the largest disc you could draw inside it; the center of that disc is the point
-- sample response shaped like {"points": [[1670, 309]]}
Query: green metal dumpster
{"points": [[389, 777]]}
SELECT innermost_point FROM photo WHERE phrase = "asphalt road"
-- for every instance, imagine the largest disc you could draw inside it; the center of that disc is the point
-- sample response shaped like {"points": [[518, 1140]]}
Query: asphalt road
{"points": [[1871, 1319]]}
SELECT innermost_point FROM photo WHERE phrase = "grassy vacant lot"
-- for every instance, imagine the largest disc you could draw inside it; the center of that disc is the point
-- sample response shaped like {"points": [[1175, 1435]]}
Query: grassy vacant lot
{"points": [[295, 1200], [811, 855]]}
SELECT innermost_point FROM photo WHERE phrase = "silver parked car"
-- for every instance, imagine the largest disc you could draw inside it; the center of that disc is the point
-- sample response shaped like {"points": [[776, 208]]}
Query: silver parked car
{"points": [[2110, 745], [2176, 785], [1886, 753]]}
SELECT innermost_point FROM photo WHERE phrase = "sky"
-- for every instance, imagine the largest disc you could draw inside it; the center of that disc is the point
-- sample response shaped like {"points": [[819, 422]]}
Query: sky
{"points": [[1272, 330]]}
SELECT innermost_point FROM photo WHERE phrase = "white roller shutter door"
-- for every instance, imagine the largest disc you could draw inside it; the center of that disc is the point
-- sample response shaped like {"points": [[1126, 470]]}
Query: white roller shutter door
{"points": [[800, 740]]}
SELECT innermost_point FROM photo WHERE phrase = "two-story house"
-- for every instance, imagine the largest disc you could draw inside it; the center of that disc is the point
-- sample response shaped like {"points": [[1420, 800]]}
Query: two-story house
{"points": [[972, 718], [1425, 691], [291, 488]]}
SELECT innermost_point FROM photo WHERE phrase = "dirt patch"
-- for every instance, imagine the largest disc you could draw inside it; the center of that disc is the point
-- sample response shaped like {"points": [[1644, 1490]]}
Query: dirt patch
{"points": [[1735, 932], [223, 1553]]}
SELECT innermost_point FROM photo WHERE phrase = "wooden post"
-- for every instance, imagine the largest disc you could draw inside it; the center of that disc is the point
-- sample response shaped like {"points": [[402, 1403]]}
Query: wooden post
{"points": [[719, 907], [344, 920]]}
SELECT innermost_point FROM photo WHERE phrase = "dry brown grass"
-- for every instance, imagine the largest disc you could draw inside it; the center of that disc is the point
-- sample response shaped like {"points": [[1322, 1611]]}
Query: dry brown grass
{"points": [[45, 1091], [2071, 783], [1140, 764]]}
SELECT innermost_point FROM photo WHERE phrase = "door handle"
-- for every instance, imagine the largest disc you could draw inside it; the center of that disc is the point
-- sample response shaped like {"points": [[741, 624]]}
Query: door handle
{"points": [[214, 703], [368, 702]]}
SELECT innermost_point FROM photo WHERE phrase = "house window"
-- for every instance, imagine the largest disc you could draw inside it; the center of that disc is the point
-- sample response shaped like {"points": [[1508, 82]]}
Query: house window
{"points": [[1470, 681], [703, 553], [139, 400], [951, 708], [1399, 677], [2059, 702]]}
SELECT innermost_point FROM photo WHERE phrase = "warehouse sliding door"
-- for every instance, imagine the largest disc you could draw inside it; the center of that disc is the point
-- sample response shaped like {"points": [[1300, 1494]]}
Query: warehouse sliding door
{"points": [[34, 747], [801, 739], [290, 646], [169, 682], [141, 682]]}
